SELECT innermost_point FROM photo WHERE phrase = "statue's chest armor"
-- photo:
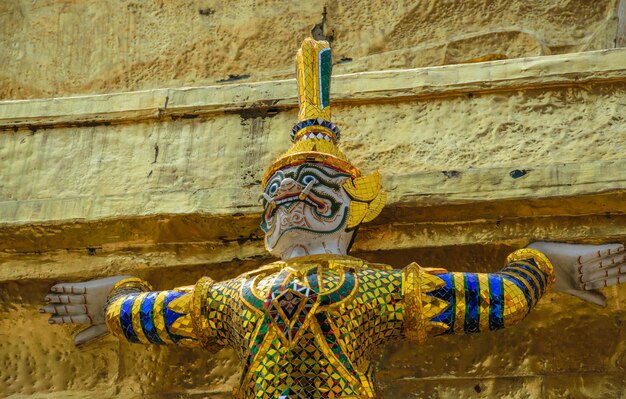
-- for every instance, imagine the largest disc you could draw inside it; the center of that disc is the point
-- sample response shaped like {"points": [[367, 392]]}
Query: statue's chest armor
{"points": [[312, 329], [294, 299]]}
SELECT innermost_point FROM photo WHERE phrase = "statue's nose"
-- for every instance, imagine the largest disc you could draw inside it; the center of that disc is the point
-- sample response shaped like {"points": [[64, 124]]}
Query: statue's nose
{"points": [[287, 183]]}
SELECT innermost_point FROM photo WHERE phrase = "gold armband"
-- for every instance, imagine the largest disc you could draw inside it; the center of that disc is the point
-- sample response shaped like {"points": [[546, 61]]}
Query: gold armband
{"points": [[199, 314], [419, 307], [131, 283], [541, 260]]}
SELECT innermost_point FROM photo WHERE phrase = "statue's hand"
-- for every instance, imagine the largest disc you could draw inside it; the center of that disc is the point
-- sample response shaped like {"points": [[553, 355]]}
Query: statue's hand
{"points": [[81, 303], [582, 269]]}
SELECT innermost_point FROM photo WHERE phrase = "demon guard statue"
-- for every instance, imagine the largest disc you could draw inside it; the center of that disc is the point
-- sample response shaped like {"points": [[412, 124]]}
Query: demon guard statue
{"points": [[303, 327]]}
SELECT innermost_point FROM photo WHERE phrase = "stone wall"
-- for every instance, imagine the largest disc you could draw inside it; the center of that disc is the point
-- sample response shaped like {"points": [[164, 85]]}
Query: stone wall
{"points": [[70, 47], [478, 159]]}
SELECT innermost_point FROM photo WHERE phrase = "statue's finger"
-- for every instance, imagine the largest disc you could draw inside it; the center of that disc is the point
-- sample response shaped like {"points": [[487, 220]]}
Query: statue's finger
{"points": [[65, 309], [599, 252], [614, 271], [73, 319], [90, 334], [56, 298], [602, 263], [606, 282], [69, 288]]}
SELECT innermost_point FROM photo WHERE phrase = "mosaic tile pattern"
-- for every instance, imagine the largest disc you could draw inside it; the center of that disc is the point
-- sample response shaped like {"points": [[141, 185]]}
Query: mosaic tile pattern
{"points": [[313, 75], [315, 125], [324, 316], [151, 317], [487, 302], [305, 328], [368, 198]]}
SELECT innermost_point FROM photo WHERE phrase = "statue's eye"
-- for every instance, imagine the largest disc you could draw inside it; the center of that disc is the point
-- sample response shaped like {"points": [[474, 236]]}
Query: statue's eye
{"points": [[273, 188], [308, 179]]}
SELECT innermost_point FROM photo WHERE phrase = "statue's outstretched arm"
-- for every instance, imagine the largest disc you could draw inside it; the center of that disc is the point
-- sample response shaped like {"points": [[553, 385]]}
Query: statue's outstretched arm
{"points": [[437, 302], [137, 314], [129, 309]]}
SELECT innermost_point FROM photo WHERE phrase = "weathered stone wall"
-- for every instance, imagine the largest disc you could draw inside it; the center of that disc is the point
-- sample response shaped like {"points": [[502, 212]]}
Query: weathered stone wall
{"points": [[478, 160], [69, 47]]}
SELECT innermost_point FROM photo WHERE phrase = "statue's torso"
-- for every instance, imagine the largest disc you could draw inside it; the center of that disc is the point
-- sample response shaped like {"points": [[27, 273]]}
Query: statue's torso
{"points": [[305, 328]]}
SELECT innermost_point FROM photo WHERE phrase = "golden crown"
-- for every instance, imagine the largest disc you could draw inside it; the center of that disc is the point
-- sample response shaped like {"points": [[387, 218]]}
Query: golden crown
{"points": [[314, 137]]}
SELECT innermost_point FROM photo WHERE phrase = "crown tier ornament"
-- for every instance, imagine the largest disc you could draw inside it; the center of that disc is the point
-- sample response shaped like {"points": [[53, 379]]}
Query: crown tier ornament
{"points": [[314, 137]]}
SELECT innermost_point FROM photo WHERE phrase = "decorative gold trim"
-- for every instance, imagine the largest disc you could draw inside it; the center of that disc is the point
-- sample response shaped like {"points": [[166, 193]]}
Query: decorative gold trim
{"points": [[181, 305], [515, 304], [183, 326], [542, 261], [131, 282], [484, 301], [158, 316], [412, 294], [368, 198], [202, 329], [136, 318], [420, 308], [460, 301], [186, 288], [356, 213], [112, 317], [375, 207], [364, 188], [298, 158], [314, 129]]}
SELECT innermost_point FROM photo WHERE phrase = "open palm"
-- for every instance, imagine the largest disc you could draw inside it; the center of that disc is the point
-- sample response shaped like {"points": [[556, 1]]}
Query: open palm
{"points": [[81, 303], [582, 269]]}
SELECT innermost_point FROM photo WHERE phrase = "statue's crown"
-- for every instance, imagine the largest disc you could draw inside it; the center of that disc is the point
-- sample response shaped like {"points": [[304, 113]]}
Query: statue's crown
{"points": [[314, 137]]}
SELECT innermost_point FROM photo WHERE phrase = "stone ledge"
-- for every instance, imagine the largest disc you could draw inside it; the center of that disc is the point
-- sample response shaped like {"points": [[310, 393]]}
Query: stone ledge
{"points": [[449, 187], [415, 190], [367, 87]]}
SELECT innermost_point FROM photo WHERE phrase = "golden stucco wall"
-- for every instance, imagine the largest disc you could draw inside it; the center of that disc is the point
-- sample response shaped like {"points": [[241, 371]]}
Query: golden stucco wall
{"points": [[69, 47], [163, 183]]}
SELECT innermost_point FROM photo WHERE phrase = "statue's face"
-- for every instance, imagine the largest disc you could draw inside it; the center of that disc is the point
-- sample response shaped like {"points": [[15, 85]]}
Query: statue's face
{"points": [[303, 205]]}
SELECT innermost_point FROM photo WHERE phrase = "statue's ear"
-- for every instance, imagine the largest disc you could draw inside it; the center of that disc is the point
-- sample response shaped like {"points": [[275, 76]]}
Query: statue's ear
{"points": [[368, 198], [364, 188], [357, 212], [376, 206]]}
